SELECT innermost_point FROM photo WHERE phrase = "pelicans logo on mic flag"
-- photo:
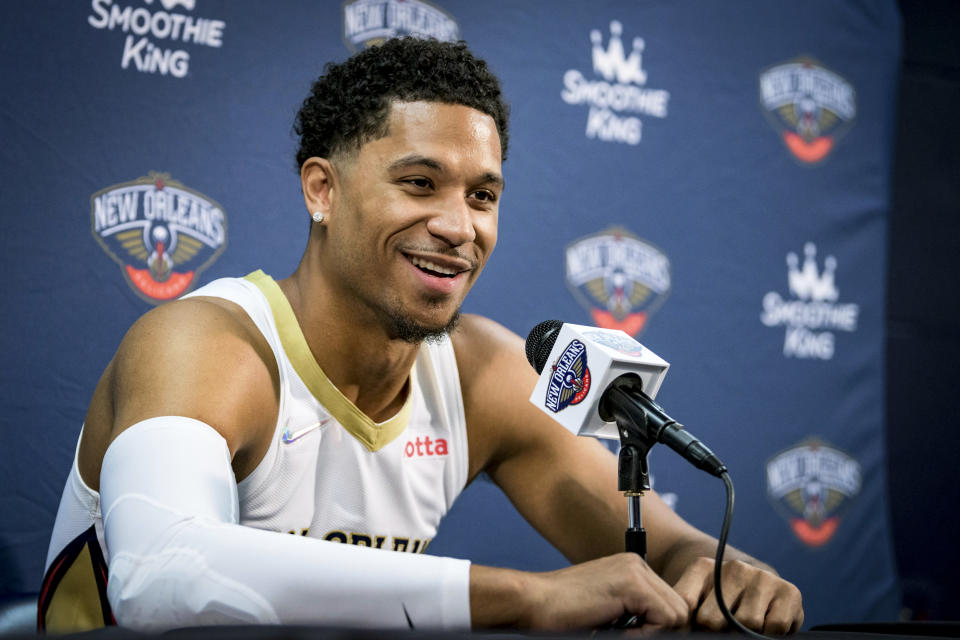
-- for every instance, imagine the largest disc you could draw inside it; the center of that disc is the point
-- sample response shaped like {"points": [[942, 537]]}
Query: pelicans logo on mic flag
{"points": [[619, 278], [160, 232], [570, 381], [566, 382]]}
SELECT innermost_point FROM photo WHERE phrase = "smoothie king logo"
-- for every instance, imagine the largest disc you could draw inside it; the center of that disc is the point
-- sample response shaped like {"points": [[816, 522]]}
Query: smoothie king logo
{"points": [[619, 95], [570, 381], [813, 314], [161, 233], [156, 35], [370, 22], [811, 483], [811, 107], [619, 278]]}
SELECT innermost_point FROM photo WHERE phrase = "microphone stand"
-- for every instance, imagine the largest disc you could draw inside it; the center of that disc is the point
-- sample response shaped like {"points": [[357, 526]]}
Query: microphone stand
{"points": [[636, 439], [633, 475], [633, 479]]}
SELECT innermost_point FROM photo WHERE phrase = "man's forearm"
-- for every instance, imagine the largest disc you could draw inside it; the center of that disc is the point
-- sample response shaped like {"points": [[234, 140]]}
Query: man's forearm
{"points": [[179, 558], [498, 597]]}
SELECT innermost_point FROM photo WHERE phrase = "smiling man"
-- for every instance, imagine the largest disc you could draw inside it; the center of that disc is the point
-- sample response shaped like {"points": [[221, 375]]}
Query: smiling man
{"points": [[348, 406]]}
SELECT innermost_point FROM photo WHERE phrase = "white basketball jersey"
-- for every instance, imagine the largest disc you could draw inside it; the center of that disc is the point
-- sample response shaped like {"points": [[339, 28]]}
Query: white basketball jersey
{"points": [[330, 472], [333, 473]]}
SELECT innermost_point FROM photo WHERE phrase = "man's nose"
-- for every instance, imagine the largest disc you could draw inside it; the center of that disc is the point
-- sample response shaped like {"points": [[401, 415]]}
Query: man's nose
{"points": [[453, 222]]}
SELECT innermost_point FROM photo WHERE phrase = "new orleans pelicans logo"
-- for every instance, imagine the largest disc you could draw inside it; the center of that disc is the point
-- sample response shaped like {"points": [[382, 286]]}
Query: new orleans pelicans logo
{"points": [[370, 22], [812, 482], [570, 381], [619, 278], [161, 233], [811, 106]]}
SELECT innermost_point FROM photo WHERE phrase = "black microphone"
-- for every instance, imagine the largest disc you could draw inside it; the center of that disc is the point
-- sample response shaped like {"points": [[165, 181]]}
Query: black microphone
{"points": [[623, 400]]}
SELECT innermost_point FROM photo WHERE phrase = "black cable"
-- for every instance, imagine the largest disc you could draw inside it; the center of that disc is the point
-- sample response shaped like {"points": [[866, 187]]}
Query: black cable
{"points": [[718, 563]]}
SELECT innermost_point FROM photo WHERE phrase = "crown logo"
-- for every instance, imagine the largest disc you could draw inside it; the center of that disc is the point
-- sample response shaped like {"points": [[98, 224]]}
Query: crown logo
{"points": [[807, 283], [612, 63], [189, 5]]}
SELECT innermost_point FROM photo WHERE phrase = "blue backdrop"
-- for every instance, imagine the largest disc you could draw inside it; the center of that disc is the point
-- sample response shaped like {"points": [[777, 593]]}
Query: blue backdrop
{"points": [[711, 177]]}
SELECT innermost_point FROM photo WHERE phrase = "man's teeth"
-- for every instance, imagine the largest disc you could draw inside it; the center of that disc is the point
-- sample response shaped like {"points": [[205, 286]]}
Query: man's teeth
{"points": [[429, 266]]}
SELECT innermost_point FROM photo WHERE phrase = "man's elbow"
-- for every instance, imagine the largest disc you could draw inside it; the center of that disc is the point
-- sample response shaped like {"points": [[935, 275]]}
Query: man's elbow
{"points": [[175, 587]]}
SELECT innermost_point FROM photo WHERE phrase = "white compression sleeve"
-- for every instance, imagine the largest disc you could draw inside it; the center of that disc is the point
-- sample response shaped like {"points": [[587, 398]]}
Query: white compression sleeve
{"points": [[177, 556]]}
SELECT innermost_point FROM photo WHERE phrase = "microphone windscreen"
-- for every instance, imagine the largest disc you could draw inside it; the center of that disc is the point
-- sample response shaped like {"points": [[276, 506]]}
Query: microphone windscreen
{"points": [[540, 343]]}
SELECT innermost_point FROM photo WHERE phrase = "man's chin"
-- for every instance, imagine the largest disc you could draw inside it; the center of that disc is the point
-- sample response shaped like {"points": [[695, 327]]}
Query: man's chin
{"points": [[413, 331]]}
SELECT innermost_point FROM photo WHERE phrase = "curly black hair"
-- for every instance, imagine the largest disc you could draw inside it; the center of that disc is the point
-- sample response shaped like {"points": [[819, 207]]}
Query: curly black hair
{"points": [[350, 103]]}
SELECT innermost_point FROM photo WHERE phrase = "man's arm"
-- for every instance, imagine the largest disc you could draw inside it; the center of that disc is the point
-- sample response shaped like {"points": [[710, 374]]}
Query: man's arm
{"points": [[565, 486], [189, 394], [199, 358]]}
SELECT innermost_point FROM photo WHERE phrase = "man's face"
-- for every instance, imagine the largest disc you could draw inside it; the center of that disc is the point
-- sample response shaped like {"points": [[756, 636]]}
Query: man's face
{"points": [[416, 216]]}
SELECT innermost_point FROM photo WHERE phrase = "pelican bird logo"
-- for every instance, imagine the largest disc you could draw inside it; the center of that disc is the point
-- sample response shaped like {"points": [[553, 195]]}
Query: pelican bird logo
{"points": [[161, 233]]}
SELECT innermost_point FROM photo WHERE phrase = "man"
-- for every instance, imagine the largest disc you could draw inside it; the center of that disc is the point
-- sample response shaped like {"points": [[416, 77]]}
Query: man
{"points": [[347, 405]]}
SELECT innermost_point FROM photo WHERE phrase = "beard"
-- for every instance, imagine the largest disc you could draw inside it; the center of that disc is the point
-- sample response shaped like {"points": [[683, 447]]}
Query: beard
{"points": [[397, 318], [409, 330]]}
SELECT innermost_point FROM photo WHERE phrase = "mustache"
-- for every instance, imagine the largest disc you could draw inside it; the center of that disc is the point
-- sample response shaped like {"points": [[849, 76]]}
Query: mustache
{"points": [[448, 252]]}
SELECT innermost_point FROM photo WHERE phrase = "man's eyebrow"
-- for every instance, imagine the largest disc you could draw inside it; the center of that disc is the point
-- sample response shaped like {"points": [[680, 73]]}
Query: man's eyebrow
{"points": [[417, 160], [414, 160], [491, 177]]}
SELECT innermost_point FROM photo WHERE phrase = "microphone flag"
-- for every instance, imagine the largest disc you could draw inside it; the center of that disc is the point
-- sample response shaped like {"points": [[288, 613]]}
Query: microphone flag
{"points": [[583, 362]]}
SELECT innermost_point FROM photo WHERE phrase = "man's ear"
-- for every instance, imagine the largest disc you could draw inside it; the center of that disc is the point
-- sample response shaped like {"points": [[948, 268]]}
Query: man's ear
{"points": [[318, 180]]}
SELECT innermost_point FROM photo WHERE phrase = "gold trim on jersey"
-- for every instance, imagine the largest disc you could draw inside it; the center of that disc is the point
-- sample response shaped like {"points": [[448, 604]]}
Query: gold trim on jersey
{"points": [[73, 596], [373, 435]]}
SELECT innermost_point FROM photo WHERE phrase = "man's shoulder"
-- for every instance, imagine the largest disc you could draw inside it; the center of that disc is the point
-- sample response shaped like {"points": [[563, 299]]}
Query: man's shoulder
{"points": [[201, 358], [210, 340], [192, 325]]}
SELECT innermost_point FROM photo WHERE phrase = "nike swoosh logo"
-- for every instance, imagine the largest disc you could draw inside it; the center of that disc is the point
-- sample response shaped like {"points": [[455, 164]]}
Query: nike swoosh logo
{"points": [[290, 436], [409, 621]]}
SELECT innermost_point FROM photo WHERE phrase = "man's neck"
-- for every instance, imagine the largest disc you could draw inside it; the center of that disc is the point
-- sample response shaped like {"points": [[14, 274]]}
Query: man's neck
{"points": [[352, 348]]}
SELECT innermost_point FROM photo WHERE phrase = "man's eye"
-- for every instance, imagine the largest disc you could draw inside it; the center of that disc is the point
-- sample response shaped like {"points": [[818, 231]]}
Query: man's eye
{"points": [[420, 183], [485, 196]]}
